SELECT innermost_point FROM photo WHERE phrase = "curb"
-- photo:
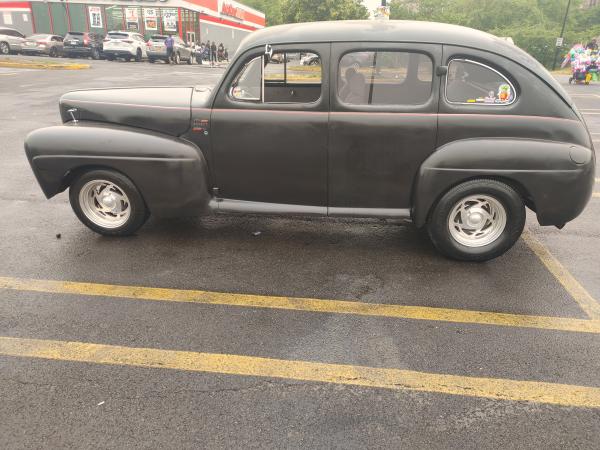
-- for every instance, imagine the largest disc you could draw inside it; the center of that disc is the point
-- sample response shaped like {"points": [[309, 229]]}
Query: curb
{"points": [[39, 65]]}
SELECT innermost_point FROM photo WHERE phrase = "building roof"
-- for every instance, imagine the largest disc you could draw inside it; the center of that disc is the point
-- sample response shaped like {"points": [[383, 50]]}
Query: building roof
{"points": [[397, 31]]}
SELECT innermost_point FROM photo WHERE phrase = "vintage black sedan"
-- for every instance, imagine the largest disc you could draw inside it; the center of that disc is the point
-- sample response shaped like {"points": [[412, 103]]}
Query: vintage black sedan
{"points": [[451, 127]]}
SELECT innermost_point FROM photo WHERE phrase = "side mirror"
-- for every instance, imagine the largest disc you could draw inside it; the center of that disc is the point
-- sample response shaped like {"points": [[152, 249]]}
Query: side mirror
{"points": [[268, 52]]}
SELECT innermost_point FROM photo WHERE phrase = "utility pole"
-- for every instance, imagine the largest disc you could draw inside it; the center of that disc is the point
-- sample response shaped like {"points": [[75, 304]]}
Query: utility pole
{"points": [[562, 32]]}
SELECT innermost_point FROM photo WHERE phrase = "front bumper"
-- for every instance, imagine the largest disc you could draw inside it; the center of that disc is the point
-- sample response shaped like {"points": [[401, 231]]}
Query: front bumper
{"points": [[119, 53]]}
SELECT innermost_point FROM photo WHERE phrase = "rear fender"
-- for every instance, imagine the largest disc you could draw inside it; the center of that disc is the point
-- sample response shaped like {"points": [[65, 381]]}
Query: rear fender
{"points": [[544, 172], [171, 174]]}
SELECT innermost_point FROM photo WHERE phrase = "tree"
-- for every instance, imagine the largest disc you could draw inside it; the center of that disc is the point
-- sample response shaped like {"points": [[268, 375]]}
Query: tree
{"points": [[293, 11]]}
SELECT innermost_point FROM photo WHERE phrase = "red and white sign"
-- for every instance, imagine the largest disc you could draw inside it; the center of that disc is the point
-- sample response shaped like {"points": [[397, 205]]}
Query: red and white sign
{"points": [[230, 10]]}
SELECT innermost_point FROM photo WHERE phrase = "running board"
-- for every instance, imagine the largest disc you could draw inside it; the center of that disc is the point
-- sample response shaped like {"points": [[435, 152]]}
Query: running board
{"points": [[243, 206]]}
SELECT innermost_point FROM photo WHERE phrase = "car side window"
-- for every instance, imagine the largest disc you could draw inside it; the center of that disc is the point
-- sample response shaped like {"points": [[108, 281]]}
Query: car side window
{"points": [[247, 85], [385, 78], [287, 77], [474, 83]]}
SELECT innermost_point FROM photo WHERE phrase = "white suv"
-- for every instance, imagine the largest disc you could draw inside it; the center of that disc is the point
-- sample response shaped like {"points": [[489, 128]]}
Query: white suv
{"points": [[124, 44], [10, 41]]}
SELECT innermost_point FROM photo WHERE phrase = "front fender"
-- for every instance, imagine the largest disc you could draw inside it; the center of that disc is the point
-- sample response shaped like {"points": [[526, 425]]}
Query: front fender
{"points": [[171, 174], [556, 177]]}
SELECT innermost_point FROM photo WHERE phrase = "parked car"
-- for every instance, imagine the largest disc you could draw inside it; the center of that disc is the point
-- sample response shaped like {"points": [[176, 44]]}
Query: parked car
{"points": [[43, 44], [158, 51], [451, 127], [310, 60], [11, 41], [124, 44], [85, 44]]}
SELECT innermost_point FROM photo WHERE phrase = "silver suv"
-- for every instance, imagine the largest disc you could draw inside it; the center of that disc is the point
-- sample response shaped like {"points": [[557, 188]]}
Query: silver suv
{"points": [[11, 41]]}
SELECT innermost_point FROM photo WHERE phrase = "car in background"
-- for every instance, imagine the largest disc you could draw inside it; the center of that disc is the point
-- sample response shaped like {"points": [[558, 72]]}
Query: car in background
{"points": [[86, 44], [11, 41], [157, 49], [310, 60], [124, 44], [44, 44]]}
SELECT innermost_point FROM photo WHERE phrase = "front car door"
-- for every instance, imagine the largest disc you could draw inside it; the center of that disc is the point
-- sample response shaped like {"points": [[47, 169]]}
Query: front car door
{"points": [[269, 128], [383, 125]]}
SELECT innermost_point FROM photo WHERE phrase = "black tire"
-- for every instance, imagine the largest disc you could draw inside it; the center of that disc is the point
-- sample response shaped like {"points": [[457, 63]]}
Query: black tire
{"points": [[176, 58], [53, 52], [128, 58], [151, 60], [110, 57], [4, 48], [438, 222], [139, 212], [95, 54], [138, 55], [190, 61]]}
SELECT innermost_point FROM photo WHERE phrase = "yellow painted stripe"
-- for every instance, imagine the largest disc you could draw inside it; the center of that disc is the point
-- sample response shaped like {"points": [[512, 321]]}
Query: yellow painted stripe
{"points": [[396, 379], [302, 304], [564, 277]]}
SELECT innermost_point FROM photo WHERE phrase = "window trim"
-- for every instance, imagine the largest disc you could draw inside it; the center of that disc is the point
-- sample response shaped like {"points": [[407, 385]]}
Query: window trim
{"points": [[387, 106], [261, 100], [479, 104]]}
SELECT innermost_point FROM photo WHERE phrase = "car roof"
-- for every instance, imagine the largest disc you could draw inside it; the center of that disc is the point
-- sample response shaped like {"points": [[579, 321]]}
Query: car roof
{"points": [[398, 31]]}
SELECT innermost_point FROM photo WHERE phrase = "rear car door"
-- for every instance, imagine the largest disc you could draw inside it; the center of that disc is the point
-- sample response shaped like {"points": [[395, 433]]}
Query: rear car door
{"points": [[383, 124], [269, 128]]}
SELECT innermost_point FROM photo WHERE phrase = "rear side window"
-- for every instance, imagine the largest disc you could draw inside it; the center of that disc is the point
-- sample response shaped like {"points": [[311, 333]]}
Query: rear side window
{"points": [[385, 78], [473, 83]]}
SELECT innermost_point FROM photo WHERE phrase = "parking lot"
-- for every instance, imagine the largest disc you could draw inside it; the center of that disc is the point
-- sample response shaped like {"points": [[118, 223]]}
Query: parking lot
{"points": [[248, 331]]}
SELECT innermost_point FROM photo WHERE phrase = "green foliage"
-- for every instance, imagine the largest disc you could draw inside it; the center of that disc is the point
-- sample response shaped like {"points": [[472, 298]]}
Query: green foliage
{"points": [[292, 11], [534, 25]]}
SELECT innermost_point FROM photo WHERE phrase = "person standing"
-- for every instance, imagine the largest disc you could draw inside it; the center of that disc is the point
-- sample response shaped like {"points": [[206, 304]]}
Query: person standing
{"points": [[213, 54], [169, 44]]}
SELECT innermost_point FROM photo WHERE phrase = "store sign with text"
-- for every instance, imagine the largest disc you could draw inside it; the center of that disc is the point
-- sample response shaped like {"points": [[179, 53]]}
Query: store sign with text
{"points": [[229, 10], [150, 19], [170, 17], [95, 14]]}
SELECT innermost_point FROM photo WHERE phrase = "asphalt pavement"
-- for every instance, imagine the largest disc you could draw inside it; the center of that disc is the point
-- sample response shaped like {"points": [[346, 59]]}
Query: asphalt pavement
{"points": [[311, 333]]}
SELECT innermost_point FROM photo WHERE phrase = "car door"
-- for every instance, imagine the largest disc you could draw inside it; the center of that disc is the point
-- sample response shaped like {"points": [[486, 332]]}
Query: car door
{"points": [[383, 124], [269, 128]]}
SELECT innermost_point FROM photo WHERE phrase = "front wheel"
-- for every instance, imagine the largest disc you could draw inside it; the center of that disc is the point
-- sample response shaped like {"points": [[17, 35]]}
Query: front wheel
{"points": [[477, 220], [108, 203], [138, 55], [4, 48]]}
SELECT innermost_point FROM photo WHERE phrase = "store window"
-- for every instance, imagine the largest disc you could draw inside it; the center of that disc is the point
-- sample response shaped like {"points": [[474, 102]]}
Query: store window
{"points": [[385, 78], [473, 83]]}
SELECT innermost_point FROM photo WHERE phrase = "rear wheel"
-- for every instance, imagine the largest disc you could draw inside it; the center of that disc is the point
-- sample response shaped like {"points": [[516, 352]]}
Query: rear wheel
{"points": [[108, 203], [53, 52], [477, 220], [151, 60], [4, 48], [95, 53], [128, 58], [190, 60], [176, 58], [110, 57], [138, 55]]}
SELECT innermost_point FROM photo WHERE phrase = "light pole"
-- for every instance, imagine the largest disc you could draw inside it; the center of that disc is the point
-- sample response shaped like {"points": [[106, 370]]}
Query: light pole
{"points": [[562, 32]]}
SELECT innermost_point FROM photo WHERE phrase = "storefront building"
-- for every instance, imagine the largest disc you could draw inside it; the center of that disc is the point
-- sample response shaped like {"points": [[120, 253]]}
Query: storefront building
{"points": [[223, 21]]}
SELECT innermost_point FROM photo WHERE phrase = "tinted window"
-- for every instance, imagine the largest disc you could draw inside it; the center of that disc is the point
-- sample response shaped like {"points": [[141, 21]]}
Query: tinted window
{"points": [[470, 82], [118, 36], [385, 78]]}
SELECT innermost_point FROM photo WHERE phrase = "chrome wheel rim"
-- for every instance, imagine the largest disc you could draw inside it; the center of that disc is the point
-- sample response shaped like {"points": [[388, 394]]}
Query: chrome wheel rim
{"points": [[477, 220], [105, 204], [4, 48]]}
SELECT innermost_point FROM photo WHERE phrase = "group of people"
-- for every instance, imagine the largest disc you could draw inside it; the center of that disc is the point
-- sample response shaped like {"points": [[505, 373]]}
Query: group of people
{"points": [[208, 51], [584, 62], [211, 52]]}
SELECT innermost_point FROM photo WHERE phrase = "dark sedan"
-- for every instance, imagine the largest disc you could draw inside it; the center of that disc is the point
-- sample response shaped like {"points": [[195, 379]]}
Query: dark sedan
{"points": [[453, 128]]}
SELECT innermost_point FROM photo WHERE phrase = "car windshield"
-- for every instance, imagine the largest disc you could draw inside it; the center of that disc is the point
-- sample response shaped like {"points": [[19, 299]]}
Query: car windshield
{"points": [[158, 37], [118, 35]]}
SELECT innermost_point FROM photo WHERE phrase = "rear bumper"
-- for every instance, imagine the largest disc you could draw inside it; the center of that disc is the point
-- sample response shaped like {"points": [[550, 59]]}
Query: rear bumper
{"points": [[77, 50], [119, 53]]}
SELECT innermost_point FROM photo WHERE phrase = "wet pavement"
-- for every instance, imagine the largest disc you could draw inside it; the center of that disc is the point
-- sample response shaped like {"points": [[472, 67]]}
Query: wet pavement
{"points": [[246, 379]]}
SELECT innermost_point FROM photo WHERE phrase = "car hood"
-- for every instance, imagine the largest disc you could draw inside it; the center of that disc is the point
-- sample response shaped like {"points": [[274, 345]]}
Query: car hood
{"points": [[163, 109]]}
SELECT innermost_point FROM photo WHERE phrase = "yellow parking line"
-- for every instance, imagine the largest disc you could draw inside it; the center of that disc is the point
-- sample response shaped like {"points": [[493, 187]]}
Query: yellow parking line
{"points": [[303, 304], [564, 277], [395, 379]]}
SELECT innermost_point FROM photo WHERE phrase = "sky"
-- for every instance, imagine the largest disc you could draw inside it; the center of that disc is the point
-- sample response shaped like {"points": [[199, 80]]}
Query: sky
{"points": [[372, 4]]}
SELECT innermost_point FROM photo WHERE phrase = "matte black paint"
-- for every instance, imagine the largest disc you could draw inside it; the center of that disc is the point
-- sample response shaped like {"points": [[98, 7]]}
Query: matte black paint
{"points": [[190, 150]]}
